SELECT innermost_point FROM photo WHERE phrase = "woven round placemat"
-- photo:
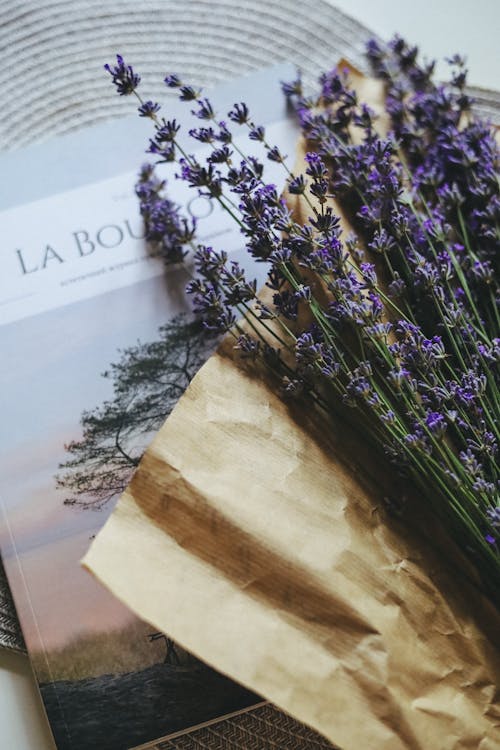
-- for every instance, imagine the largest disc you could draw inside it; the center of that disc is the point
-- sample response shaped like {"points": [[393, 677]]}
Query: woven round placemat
{"points": [[53, 51]]}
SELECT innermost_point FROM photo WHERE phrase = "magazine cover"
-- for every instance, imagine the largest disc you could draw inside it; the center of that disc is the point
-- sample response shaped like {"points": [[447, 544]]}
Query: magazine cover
{"points": [[98, 343]]}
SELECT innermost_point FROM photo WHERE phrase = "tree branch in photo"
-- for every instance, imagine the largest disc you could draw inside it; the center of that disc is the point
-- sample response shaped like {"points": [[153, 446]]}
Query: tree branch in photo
{"points": [[147, 382]]}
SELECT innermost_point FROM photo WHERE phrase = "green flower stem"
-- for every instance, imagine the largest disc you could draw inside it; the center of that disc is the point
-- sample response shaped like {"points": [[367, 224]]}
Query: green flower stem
{"points": [[466, 241], [442, 447]]}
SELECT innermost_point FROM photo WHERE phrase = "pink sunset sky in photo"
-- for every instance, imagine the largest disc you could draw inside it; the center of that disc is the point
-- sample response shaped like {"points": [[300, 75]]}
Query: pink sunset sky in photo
{"points": [[54, 373]]}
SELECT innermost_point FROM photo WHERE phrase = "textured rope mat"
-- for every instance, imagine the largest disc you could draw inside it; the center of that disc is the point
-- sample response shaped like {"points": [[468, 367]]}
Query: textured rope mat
{"points": [[54, 51]]}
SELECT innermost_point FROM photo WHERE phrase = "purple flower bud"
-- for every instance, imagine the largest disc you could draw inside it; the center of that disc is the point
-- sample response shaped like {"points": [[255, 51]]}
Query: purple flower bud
{"points": [[247, 346], [203, 135], [148, 109], [257, 133], [297, 185], [293, 88], [274, 154], [188, 94], [239, 113], [123, 77], [173, 81], [436, 424], [205, 110]]}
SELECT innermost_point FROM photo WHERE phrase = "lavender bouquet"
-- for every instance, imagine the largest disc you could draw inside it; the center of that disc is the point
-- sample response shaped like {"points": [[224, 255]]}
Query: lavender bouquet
{"points": [[394, 326]]}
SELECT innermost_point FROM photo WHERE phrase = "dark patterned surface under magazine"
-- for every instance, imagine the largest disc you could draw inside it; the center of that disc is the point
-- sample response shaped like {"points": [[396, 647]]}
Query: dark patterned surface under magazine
{"points": [[261, 728], [10, 632]]}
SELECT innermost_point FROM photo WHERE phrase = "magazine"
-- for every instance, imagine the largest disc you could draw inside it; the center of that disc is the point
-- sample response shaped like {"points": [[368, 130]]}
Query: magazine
{"points": [[98, 343]]}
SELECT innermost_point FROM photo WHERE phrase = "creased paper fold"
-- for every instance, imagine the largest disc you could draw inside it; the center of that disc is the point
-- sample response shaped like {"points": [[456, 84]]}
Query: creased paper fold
{"points": [[246, 539]]}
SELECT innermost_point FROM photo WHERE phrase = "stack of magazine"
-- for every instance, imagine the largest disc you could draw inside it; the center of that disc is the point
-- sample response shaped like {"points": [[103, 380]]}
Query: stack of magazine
{"points": [[98, 343]]}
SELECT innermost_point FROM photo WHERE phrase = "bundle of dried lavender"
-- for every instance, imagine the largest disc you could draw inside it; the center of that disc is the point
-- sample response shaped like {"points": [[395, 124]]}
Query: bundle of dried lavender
{"points": [[398, 321]]}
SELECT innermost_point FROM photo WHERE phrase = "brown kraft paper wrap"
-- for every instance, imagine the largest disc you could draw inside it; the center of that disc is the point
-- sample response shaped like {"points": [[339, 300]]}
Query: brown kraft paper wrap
{"points": [[251, 536]]}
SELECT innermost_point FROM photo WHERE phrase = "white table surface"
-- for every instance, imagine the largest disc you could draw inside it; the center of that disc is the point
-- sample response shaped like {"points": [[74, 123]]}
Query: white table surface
{"points": [[441, 28]]}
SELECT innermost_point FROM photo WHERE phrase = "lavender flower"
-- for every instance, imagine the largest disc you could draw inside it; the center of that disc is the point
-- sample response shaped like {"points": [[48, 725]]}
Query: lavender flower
{"points": [[248, 346], [204, 111], [172, 81], [148, 109], [123, 76], [239, 113], [166, 228]]}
